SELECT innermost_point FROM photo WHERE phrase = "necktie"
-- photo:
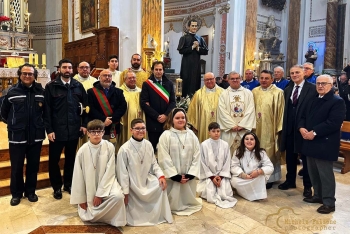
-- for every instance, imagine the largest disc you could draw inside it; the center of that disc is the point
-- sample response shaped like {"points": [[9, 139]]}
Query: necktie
{"points": [[106, 91], [67, 85], [295, 95], [160, 82]]}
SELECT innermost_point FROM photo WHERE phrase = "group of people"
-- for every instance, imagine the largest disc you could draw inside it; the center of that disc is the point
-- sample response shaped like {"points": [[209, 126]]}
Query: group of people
{"points": [[236, 138]]}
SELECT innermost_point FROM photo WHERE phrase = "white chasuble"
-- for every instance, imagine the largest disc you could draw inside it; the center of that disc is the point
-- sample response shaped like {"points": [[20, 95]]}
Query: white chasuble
{"points": [[203, 110], [94, 175], [269, 106], [236, 108], [216, 161], [138, 173], [179, 154], [251, 189]]}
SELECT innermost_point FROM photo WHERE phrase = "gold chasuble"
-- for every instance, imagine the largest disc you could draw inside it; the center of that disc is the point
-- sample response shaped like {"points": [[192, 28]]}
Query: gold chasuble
{"points": [[141, 76], [202, 110], [88, 83], [269, 107], [236, 108], [133, 111]]}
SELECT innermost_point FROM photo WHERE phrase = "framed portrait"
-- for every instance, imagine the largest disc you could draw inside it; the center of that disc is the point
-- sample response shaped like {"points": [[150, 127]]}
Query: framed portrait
{"points": [[88, 15], [206, 39]]}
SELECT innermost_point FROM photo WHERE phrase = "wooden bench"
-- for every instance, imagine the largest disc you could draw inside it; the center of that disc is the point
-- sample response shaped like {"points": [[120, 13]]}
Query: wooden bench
{"points": [[345, 148]]}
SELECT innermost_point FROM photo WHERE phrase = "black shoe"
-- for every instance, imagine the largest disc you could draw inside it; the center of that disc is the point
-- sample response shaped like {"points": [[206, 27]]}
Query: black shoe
{"points": [[301, 172], [286, 185], [269, 185], [32, 197], [307, 192], [15, 201], [312, 200], [326, 209], [57, 194], [67, 189]]}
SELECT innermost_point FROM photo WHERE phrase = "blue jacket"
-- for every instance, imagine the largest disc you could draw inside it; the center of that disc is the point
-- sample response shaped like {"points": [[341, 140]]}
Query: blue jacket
{"points": [[282, 84], [250, 85], [311, 79]]}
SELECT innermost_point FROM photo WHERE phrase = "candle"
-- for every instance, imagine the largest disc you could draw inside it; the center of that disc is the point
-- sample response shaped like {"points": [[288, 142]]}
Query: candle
{"points": [[30, 59], [43, 58], [36, 59]]}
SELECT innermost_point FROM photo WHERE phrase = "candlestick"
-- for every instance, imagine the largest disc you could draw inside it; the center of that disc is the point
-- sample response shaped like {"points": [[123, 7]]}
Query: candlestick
{"points": [[36, 60], [43, 58], [30, 60]]}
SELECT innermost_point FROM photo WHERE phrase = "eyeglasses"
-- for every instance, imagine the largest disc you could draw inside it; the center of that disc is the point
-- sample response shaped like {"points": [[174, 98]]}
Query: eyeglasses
{"points": [[139, 129], [84, 67], [27, 74], [307, 68], [322, 83], [106, 76], [210, 79], [96, 132]]}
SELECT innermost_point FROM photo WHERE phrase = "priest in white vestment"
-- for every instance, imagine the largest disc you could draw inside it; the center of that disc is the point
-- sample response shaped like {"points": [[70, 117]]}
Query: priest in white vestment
{"points": [[250, 170], [236, 112], [142, 180], [94, 186], [215, 175], [179, 158], [203, 107]]}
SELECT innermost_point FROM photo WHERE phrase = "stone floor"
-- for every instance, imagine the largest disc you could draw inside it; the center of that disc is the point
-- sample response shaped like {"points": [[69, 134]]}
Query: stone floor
{"points": [[281, 212]]}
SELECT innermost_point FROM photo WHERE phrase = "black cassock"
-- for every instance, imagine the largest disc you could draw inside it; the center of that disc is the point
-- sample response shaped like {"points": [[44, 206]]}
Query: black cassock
{"points": [[190, 71]]}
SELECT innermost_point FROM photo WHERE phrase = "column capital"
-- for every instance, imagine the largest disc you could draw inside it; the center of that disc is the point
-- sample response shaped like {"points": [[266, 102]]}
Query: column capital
{"points": [[332, 1], [224, 9]]}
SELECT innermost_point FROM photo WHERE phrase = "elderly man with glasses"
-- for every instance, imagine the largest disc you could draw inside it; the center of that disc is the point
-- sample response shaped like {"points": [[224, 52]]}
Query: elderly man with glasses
{"points": [[309, 72], [203, 107], [107, 103], [84, 77], [236, 111]]}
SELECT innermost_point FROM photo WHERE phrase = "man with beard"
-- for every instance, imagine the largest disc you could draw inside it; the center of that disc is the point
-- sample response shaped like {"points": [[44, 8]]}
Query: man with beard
{"points": [[107, 103], [157, 99], [65, 122], [141, 75], [84, 77], [191, 46], [113, 64]]}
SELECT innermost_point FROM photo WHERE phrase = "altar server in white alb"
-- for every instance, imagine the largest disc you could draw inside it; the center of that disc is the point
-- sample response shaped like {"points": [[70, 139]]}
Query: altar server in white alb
{"points": [[215, 175], [142, 180], [179, 158], [94, 187], [250, 168]]}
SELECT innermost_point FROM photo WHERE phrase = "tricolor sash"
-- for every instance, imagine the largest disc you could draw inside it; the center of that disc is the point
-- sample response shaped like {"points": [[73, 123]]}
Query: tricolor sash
{"points": [[105, 106], [159, 89]]}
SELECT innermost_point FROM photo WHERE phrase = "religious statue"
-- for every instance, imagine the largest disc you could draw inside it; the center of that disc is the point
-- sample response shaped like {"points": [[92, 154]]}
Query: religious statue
{"points": [[270, 27], [191, 46], [311, 54]]}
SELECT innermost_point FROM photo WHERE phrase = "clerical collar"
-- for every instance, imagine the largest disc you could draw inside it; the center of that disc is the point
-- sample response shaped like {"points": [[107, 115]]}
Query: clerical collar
{"points": [[130, 89], [210, 90], [136, 70], [235, 90], [82, 78], [136, 139], [265, 89], [64, 82]]}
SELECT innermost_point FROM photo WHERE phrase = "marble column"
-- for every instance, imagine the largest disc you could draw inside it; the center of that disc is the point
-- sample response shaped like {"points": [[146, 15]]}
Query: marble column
{"points": [[151, 24], [250, 33], [65, 26], [293, 34], [223, 28], [331, 36]]}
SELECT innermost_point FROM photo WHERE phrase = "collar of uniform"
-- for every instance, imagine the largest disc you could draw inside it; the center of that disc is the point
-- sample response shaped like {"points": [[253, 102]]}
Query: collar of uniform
{"points": [[64, 82]]}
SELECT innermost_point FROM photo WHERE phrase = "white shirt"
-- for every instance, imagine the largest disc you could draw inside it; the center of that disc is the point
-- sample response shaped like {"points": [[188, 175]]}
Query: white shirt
{"points": [[299, 90]]}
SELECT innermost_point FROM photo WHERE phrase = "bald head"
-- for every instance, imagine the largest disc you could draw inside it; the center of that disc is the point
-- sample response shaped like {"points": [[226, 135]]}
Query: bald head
{"points": [[84, 69], [209, 80]]}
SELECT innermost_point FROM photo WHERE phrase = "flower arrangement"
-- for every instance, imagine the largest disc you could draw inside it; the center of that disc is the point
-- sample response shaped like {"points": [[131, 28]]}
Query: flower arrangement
{"points": [[4, 18], [183, 102]]}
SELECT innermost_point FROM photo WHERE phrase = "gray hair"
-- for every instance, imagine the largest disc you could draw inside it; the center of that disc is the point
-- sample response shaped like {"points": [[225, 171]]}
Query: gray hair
{"points": [[307, 63], [234, 73], [126, 74], [326, 76], [279, 67]]}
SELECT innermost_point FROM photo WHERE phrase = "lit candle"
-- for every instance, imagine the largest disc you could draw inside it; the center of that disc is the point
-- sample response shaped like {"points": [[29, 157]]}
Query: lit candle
{"points": [[30, 59], [36, 59], [43, 58]]}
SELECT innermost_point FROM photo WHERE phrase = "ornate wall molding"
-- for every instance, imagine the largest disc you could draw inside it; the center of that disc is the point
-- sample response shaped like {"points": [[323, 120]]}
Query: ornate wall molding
{"points": [[311, 20], [191, 8], [224, 9], [317, 31]]}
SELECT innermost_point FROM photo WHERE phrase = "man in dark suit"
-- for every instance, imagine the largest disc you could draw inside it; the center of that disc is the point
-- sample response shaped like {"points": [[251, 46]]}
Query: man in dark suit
{"points": [[157, 99], [320, 128], [297, 96]]}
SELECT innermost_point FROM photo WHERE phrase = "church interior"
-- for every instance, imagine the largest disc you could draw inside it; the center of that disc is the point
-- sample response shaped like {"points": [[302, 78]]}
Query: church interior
{"points": [[240, 35]]}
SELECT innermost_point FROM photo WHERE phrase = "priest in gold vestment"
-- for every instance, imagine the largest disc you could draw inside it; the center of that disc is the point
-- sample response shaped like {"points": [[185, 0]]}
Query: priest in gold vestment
{"points": [[133, 111], [141, 75], [203, 107], [236, 112], [269, 107]]}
